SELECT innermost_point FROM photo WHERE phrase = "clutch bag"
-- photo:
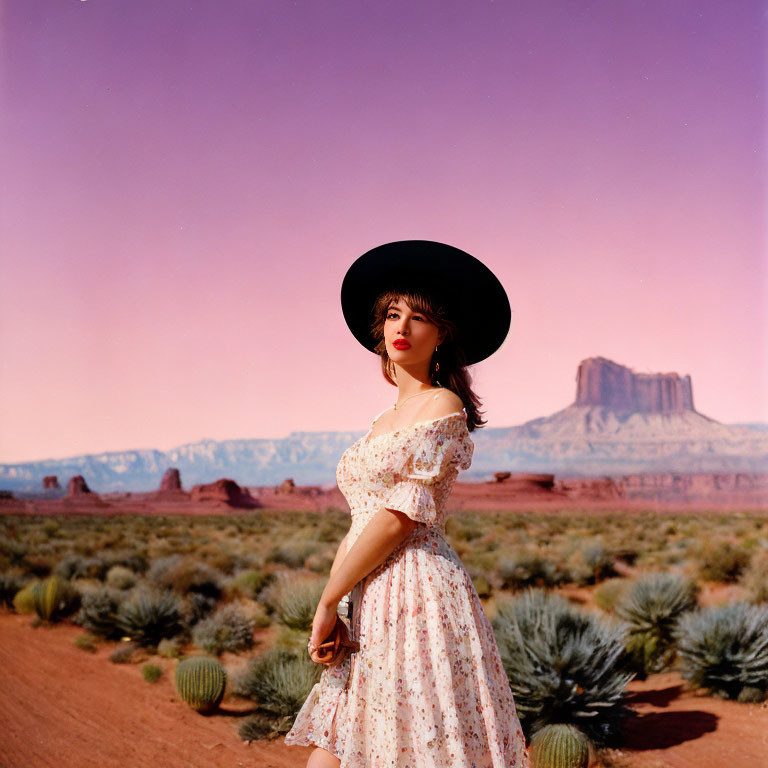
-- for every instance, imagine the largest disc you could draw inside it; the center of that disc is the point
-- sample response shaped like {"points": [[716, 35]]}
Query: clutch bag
{"points": [[337, 646]]}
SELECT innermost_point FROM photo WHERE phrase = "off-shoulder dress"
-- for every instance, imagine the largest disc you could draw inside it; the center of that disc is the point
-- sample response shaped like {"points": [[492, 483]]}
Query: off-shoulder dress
{"points": [[427, 688]]}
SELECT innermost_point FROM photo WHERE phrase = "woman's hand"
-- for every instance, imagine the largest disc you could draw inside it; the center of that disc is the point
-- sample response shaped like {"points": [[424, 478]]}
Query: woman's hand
{"points": [[322, 624]]}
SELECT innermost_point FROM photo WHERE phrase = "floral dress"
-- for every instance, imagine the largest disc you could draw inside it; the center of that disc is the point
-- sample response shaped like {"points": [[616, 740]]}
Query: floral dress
{"points": [[427, 688]]}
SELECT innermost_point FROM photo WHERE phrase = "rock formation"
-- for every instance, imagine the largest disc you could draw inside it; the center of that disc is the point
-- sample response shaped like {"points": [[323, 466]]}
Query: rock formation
{"points": [[51, 481], [77, 486], [171, 480], [602, 382], [226, 491]]}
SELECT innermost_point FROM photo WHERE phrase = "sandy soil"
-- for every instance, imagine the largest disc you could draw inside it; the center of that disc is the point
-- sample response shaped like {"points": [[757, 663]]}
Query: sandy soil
{"points": [[63, 707]]}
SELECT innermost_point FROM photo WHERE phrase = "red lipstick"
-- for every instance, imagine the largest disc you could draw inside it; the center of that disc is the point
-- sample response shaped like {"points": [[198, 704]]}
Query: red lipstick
{"points": [[401, 344]]}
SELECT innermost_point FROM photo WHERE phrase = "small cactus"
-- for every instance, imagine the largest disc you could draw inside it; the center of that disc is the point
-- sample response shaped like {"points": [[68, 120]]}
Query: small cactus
{"points": [[560, 745], [200, 682]]}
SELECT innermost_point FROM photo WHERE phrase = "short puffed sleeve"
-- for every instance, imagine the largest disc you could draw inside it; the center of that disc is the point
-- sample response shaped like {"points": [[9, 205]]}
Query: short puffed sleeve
{"points": [[430, 465]]}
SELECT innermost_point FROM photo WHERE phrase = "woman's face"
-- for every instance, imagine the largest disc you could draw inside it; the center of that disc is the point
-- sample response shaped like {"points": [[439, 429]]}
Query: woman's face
{"points": [[409, 336]]}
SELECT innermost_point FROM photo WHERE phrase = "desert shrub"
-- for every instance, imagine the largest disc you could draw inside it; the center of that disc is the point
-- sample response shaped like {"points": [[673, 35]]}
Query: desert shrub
{"points": [[721, 561], [183, 575], [78, 567], [12, 551], [651, 606], [55, 598], [249, 583], [147, 617], [755, 578], [608, 593], [120, 577], [131, 559], [151, 673], [278, 681], [10, 585], [482, 586], [598, 559], [563, 665], [86, 642], [724, 649], [24, 599], [195, 607], [293, 600], [259, 726], [292, 553], [226, 630], [320, 562], [201, 682], [98, 612], [127, 653], [526, 569], [169, 647]]}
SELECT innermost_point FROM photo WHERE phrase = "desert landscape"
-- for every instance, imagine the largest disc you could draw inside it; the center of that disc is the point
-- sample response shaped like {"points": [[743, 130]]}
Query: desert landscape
{"points": [[94, 680]]}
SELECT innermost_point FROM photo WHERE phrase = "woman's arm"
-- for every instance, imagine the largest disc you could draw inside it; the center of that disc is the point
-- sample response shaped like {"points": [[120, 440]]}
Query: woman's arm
{"points": [[385, 531], [340, 554]]}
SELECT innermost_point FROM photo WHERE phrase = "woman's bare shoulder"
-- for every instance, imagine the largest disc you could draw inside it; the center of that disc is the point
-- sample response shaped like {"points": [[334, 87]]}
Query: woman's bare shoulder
{"points": [[443, 403]]}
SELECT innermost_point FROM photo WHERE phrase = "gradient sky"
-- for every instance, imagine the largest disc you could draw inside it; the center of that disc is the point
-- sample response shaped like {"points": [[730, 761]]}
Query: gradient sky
{"points": [[184, 184]]}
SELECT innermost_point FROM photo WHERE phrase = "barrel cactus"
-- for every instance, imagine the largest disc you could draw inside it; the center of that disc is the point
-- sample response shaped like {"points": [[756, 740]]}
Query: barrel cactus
{"points": [[560, 745], [200, 682], [53, 598]]}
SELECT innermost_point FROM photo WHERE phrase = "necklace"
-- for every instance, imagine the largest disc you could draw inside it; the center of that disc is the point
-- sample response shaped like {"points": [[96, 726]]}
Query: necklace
{"points": [[423, 392]]}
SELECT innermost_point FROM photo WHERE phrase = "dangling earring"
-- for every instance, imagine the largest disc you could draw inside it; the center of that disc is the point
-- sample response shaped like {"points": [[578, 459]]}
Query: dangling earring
{"points": [[437, 364]]}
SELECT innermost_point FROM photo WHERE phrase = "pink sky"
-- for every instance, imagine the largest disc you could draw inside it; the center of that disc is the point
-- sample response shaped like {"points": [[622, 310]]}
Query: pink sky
{"points": [[182, 188]]}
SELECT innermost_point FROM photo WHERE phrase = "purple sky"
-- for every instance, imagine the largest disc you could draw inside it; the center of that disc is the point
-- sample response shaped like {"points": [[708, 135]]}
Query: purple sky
{"points": [[185, 184]]}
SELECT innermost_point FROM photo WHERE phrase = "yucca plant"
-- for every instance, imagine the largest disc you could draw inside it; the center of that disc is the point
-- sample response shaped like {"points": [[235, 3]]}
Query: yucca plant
{"points": [[563, 665], [54, 598], [147, 617], [200, 682], [724, 649], [651, 606], [279, 681], [560, 745]]}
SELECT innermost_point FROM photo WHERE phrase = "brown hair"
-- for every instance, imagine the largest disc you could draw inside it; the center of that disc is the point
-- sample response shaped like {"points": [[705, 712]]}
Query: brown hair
{"points": [[453, 373]]}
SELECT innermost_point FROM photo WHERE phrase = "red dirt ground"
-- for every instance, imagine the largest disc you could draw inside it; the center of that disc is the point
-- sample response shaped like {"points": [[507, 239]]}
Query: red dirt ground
{"points": [[65, 708]]}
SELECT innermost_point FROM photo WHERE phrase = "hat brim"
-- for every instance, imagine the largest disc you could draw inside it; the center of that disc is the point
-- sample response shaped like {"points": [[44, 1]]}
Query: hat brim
{"points": [[474, 298]]}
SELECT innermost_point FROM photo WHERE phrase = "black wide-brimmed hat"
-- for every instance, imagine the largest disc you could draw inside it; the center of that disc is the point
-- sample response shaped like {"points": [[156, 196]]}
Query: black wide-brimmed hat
{"points": [[472, 295]]}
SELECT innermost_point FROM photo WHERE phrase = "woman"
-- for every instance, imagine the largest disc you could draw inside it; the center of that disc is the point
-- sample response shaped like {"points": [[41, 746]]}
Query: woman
{"points": [[427, 688]]}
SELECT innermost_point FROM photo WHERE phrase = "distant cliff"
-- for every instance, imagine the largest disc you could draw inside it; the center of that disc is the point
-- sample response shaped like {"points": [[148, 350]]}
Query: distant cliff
{"points": [[621, 423], [603, 382]]}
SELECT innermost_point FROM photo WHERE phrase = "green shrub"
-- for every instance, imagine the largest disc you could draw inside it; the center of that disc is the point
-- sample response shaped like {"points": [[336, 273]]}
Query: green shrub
{"points": [[79, 567], [293, 600], [526, 569], [151, 673], [560, 745], [120, 577], [184, 575], [651, 606], [127, 653], [259, 726], [755, 578], [724, 649], [721, 561], [149, 617], [98, 613], [563, 665], [200, 682], [249, 583], [598, 559], [226, 630], [169, 648], [86, 642], [279, 681]]}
